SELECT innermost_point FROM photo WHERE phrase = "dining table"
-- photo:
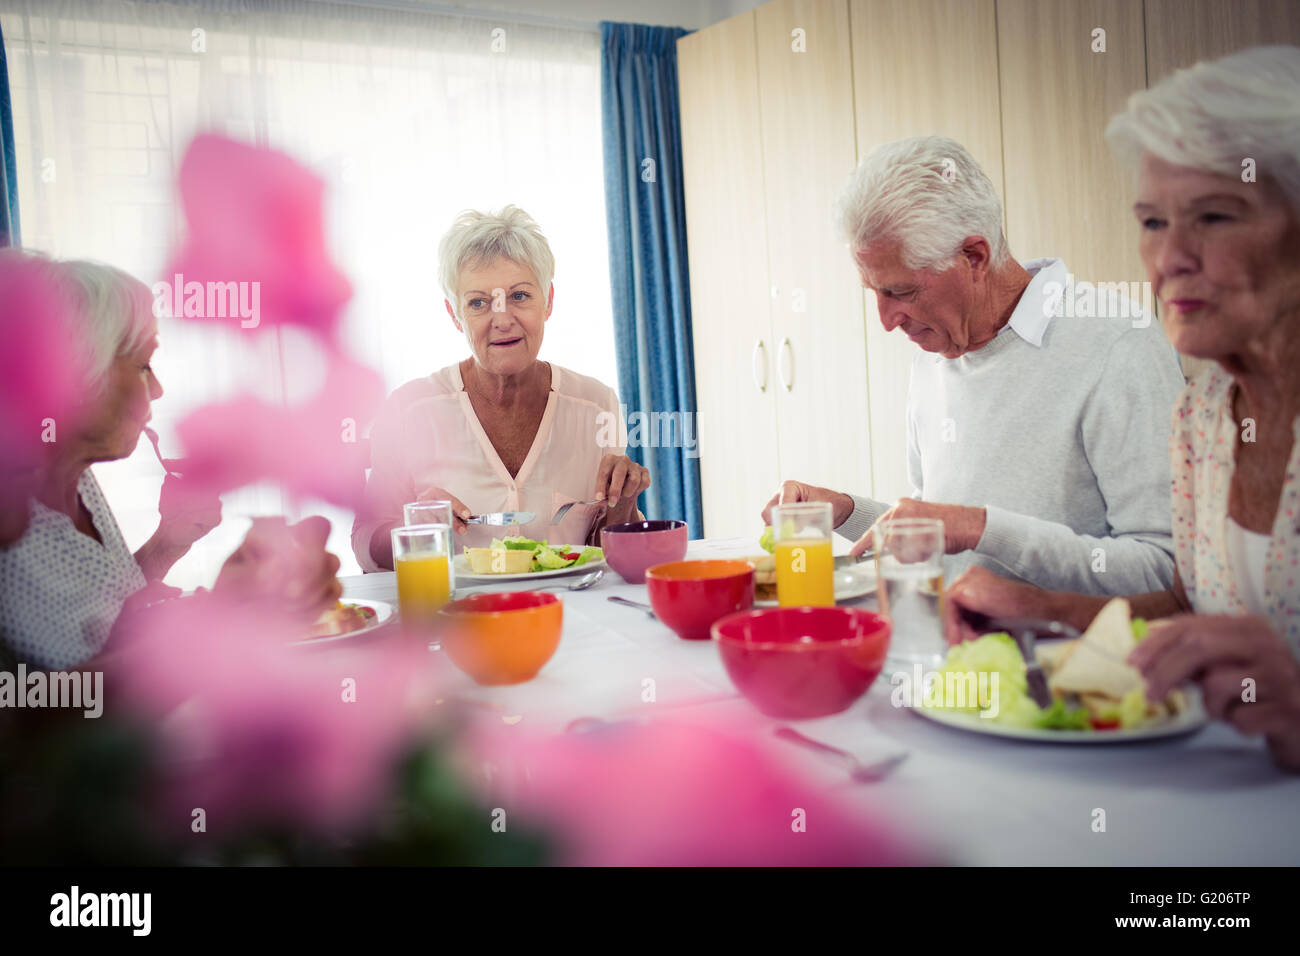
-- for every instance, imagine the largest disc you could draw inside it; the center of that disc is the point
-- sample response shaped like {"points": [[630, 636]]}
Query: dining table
{"points": [[1211, 797]]}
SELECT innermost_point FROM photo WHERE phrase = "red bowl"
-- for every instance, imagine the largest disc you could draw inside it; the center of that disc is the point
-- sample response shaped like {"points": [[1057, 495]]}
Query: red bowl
{"points": [[800, 662], [689, 596]]}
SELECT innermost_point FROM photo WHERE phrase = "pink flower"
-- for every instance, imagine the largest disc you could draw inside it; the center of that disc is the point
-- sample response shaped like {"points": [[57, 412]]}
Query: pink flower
{"points": [[664, 794], [254, 729], [255, 215]]}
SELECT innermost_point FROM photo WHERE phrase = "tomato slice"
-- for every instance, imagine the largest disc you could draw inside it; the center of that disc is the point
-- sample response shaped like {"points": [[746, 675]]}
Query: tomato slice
{"points": [[572, 556], [1104, 724]]}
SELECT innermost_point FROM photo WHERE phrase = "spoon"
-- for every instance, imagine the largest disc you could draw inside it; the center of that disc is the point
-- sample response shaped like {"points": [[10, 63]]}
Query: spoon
{"points": [[858, 771], [584, 582], [636, 604], [153, 440]]}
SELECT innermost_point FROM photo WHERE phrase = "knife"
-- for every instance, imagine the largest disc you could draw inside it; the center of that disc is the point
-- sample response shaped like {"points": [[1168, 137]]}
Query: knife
{"points": [[503, 518], [1025, 631], [849, 561]]}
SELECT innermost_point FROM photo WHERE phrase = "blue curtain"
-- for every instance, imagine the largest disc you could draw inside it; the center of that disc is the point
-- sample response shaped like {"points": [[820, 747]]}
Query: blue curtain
{"points": [[9, 235], [646, 214]]}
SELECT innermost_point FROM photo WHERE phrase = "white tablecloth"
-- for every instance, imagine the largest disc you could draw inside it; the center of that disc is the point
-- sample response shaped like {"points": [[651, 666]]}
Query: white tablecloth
{"points": [[1212, 798]]}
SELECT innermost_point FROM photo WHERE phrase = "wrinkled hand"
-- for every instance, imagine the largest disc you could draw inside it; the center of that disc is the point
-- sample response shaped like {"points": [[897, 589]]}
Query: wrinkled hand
{"points": [[979, 589], [285, 566], [1231, 659], [962, 526], [459, 511], [619, 480], [793, 492], [185, 514]]}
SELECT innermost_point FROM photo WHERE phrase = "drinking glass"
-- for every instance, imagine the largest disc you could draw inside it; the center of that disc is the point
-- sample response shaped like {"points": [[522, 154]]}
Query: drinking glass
{"points": [[422, 560], [805, 570], [432, 512], [909, 566]]}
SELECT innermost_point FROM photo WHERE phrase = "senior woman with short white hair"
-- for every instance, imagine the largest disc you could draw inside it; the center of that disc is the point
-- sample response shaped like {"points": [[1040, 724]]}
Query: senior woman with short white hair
{"points": [[65, 581], [500, 430], [1217, 153]]}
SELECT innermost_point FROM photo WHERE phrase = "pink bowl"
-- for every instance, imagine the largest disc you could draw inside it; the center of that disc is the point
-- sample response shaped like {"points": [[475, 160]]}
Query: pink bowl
{"points": [[689, 596], [633, 547], [799, 662]]}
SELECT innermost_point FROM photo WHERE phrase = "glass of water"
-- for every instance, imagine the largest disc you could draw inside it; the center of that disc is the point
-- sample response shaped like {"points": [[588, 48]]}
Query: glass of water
{"points": [[909, 565]]}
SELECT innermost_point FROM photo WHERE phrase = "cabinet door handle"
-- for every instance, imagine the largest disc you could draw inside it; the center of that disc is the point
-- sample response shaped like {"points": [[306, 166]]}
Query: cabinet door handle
{"points": [[787, 378], [757, 361]]}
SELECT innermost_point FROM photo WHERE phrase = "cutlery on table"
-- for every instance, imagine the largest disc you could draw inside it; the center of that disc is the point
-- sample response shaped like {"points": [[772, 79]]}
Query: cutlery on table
{"points": [[502, 518], [636, 604], [564, 509], [584, 582], [859, 772], [153, 440]]}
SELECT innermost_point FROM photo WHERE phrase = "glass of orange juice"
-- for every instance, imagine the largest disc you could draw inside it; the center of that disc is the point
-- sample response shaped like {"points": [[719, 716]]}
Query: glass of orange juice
{"points": [[805, 570], [422, 560], [432, 512]]}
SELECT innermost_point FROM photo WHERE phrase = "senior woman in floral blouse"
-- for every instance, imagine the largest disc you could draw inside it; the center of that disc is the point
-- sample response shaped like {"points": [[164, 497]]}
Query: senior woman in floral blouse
{"points": [[1217, 149], [500, 430]]}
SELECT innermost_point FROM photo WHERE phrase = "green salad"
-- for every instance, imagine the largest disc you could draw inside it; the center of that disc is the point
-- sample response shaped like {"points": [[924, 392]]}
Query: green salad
{"points": [[550, 557]]}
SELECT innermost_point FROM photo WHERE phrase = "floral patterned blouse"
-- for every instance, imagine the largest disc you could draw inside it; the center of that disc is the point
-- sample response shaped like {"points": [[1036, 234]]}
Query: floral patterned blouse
{"points": [[1203, 449]]}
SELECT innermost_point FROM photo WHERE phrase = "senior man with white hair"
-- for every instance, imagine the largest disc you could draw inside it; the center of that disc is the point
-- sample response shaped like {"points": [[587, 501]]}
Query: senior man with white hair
{"points": [[1036, 435]]}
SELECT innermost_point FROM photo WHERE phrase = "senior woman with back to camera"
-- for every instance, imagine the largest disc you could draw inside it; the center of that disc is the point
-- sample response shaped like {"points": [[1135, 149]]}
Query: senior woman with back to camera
{"points": [[66, 573], [500, 430], [1217, 151]]}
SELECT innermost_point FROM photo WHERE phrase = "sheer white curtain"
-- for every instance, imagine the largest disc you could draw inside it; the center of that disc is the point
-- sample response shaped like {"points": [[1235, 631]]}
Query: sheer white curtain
{"points": [[410, 117]]}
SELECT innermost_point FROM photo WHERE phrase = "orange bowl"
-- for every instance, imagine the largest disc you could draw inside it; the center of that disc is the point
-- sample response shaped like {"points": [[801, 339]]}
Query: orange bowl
{"points": [[689, 596], [503, 638]]}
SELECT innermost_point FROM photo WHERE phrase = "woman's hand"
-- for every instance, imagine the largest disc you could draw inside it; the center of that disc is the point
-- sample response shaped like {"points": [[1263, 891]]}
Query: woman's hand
{"points": [[284, 565], [459, 512], [185, 514], [1247, 675], [619, 480]]}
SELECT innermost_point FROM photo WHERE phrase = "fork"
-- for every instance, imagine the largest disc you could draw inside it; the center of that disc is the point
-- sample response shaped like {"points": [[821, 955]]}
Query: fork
{"points": [[564, 509]]}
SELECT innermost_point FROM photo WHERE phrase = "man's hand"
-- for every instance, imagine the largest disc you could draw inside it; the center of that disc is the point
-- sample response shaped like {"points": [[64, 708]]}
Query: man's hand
{"points": [[619, 480], [1247, 675], [285, 566], [962, 526], [980, 590], [793, 492]]}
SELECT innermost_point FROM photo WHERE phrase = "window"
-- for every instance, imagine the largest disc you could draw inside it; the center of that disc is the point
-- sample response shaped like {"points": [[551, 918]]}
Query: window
{"points": [[409, 117]]}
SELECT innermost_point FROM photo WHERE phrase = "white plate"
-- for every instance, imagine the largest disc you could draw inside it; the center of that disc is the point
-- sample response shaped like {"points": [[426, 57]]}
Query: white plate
{"points": [[849, 585], [463, 573], [1191, 719], [383, 614]]}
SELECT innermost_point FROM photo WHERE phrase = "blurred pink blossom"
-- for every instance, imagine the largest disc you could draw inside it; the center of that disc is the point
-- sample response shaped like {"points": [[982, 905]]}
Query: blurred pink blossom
{"points": [[39, 381], [254, 729], [664, 794], [255, 215]]}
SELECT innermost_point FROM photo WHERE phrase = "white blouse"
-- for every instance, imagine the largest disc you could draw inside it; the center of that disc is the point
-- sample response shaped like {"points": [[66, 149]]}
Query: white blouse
{"points": [[61, 590], [428, 435]]}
